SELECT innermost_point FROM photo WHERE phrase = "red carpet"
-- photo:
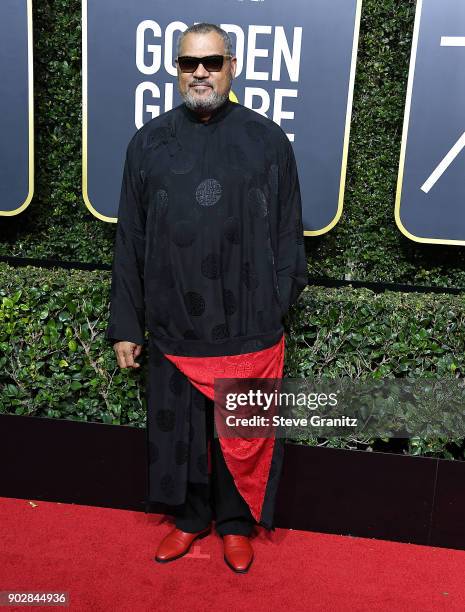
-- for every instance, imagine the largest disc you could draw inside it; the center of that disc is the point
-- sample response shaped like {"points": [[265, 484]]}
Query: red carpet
{"points": [[103, 558]]}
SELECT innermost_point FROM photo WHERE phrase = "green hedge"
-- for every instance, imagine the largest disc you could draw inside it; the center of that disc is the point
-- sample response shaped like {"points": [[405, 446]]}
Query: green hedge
{"points": [[365, 245], [55, 362]]}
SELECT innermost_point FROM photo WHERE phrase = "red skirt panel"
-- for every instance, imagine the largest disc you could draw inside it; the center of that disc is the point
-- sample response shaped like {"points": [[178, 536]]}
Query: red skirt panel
{"points": [[248, 459]]}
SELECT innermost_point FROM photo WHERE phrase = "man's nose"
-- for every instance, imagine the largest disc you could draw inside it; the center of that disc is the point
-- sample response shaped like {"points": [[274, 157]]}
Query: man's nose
{"points": [[201, 72]]}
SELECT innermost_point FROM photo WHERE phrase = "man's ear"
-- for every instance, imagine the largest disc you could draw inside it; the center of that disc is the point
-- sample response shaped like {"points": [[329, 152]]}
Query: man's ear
{"points": [[233, 66]]}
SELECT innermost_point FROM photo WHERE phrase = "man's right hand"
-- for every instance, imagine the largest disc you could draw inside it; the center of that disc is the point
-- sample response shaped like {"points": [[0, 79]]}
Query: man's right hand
{"points": [[126, 353]]}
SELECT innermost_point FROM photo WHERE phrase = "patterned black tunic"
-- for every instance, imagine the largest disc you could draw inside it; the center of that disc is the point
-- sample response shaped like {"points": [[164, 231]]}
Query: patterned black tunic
{"points": [[209, 255]]}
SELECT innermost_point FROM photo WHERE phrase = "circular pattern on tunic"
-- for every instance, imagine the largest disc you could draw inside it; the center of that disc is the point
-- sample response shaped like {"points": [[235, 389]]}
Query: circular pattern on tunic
{"points": [[219, 332], [183, 162], [211, 266], [255, 131], [250, 346], [154, 453], [202, 463], [273, 175], [258, 205], [195, 303], [165, 419], [161, 199], [181, 452], [184, 234], [167, 485], [231, 230], [249, 277], [177, 382], [229, 302], [208, 192]]}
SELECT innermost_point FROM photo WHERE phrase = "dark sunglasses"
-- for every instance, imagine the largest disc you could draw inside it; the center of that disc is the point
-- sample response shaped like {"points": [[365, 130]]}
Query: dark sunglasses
{"points": [[211, 63]]}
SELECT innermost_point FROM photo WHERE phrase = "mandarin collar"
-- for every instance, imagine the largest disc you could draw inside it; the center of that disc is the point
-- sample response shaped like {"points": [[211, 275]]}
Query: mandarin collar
{"points": [[217, 114]]}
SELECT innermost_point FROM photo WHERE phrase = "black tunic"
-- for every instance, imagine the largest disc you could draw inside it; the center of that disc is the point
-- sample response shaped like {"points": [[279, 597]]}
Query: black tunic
{"points": [[209, 252]]}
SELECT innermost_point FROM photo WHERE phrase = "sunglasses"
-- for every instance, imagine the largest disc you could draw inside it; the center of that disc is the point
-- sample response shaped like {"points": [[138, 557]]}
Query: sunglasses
{"points": [[211, 63]]}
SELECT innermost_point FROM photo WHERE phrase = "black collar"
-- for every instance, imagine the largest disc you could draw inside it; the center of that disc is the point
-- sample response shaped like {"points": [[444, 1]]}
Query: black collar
{"points": [[217, 115]]}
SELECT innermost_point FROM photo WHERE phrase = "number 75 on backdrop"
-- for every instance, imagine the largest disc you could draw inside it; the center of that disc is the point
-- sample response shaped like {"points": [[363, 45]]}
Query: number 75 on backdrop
{"points": [[295, 64]]}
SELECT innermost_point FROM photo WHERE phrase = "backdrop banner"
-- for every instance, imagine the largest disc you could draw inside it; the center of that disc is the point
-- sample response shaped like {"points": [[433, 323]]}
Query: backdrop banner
{"points": [[296, 65], [431, 189], [16, 107]]}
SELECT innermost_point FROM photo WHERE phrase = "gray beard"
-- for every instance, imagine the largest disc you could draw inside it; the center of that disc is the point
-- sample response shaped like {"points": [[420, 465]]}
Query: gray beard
{"points": [[207, 104]]}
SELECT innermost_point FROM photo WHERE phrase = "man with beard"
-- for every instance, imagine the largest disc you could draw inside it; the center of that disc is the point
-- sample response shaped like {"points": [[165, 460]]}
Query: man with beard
{"points": [[209, 256]]}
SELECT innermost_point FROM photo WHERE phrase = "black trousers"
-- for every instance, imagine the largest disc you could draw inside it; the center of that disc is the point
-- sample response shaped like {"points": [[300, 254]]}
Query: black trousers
{"points": [[219, 499]]}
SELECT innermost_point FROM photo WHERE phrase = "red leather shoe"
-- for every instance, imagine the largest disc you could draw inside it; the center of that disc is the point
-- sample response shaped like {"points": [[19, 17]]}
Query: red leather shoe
{"points": [[238, 553], [177, 543]]}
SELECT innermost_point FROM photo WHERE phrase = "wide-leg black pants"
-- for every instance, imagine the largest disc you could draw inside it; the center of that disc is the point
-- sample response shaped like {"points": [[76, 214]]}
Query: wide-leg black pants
{"points": [[219, 499], [180, 425]]}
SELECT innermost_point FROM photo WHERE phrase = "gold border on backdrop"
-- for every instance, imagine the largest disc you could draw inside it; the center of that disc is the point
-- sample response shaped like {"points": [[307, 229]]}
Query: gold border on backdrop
{"points": [[85, 194], [30, 101], [403, 148], [345, 148]]}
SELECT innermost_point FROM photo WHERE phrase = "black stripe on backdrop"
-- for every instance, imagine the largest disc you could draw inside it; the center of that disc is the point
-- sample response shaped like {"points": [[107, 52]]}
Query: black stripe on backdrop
{"points": [[320, 281], [52, 263], [380, 287]]}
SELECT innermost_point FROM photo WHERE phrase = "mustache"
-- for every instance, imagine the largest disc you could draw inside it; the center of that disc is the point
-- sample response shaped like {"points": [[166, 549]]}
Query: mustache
{"points": [[200, 83]]}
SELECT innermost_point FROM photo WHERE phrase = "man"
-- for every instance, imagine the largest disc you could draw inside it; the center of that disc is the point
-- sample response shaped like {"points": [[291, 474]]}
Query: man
{"points": [[209, 256]]}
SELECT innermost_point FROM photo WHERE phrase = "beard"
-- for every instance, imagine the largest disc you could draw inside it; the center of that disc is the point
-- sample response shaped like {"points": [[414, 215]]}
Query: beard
{"points": [[204, 103]]}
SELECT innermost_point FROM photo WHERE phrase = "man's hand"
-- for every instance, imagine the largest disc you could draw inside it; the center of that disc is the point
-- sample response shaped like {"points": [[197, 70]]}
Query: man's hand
{"points": [[126, 353]]}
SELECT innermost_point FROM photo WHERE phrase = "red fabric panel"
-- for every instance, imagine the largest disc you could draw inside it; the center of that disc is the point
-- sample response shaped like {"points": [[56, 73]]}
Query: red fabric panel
{"points": [[248, 460], [202, 371]]}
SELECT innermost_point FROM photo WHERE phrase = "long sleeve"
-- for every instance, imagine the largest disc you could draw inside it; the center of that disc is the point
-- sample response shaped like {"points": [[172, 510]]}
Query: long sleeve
{"points": [[291, 261], [127, 308]]}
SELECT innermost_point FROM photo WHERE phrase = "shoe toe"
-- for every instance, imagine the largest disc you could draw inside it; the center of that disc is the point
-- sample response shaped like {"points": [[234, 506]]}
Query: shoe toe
{"points": [[167, 550], [176, 544], [238, 553], [240, 562]]}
